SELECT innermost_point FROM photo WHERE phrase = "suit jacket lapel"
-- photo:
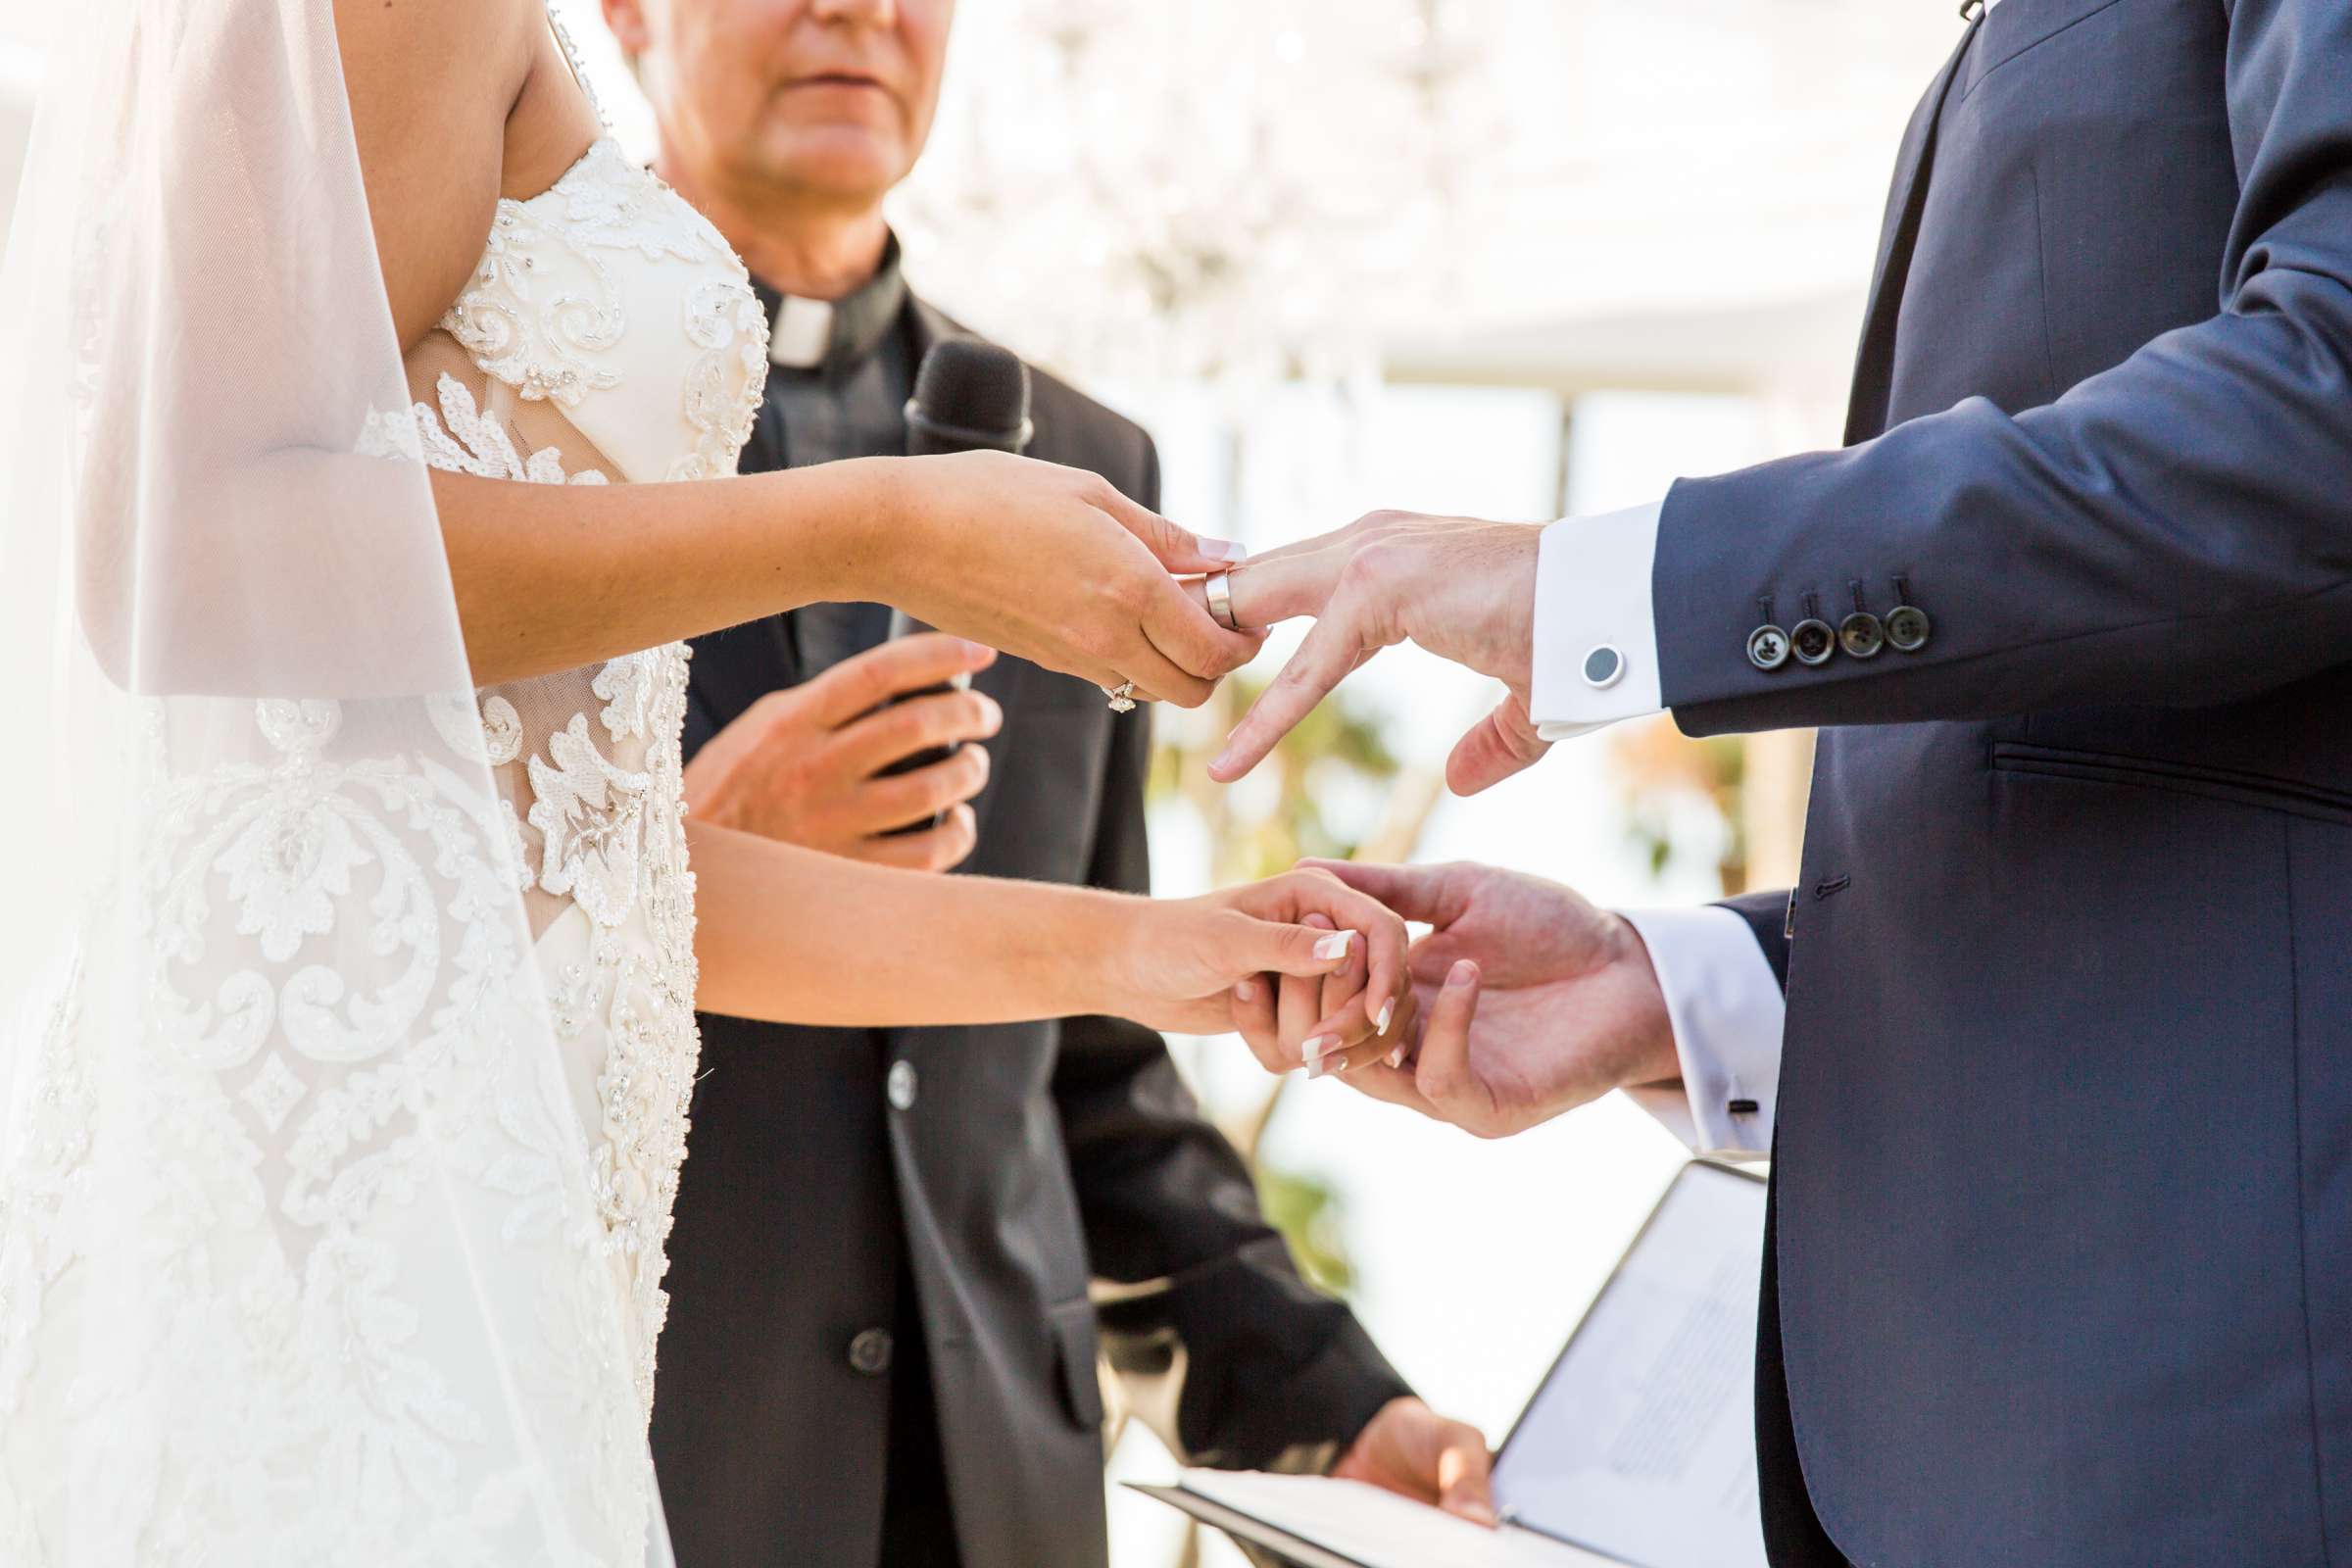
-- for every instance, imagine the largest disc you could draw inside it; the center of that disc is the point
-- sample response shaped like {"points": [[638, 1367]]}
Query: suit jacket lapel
{"points": [[1874, 365], [927, 324]]}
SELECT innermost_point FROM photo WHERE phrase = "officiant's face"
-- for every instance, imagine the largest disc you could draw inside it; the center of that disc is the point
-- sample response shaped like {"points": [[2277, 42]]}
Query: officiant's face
{"points": [[830, 98]]}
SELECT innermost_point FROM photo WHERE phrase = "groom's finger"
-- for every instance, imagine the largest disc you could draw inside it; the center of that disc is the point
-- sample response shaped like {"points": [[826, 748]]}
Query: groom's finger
{"points": [[1502, 744], [1297, 580], [1443, 1072], [1414, 892], [1332, 649]]}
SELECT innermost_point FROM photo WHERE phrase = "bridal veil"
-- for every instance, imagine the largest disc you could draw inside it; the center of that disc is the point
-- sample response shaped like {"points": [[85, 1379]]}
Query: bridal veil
{"points": [[298, 1262]]}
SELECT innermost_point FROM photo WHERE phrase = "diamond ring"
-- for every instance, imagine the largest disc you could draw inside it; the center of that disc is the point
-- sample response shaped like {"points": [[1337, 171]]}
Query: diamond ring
{"points": [[1122, 696]]}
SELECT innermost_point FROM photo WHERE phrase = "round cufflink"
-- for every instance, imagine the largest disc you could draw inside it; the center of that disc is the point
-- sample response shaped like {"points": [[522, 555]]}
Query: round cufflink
{"points": [[1602, 667], [1861, 634], [1768, 648], [1908, 627], [1812, 641]]}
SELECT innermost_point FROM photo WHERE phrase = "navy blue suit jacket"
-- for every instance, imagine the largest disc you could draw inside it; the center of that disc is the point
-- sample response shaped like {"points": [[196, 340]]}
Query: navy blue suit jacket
{"points": [[2065, 1139]]}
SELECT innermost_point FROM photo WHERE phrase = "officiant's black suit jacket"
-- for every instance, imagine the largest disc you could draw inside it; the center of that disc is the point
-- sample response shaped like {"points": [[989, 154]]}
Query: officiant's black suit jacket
{"points": [[1026, 1162], [2064, 1175]]}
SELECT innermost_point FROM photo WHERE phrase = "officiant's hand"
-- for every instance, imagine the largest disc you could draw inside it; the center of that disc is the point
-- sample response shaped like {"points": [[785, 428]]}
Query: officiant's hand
{"points": [[1410, 1450], [1530, 1001], [804, 766], [1459, 588]]}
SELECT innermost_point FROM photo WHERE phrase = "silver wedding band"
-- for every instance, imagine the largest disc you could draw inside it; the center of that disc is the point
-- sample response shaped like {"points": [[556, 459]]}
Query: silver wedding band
{"points": [[1218, 585]]}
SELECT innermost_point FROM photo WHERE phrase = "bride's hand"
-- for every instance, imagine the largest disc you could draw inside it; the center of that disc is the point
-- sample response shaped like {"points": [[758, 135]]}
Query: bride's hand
{"points": [[1055, 565], [1189, 961]]}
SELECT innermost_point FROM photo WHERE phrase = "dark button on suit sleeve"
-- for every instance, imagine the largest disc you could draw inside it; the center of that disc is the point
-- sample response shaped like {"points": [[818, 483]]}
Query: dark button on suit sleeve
{"points": [[1813, 641], [1862, 635]]}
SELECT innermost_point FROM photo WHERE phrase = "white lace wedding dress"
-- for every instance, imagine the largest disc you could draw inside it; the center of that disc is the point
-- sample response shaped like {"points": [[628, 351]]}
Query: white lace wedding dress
{"points": [[611, 329], [293, 1268]]}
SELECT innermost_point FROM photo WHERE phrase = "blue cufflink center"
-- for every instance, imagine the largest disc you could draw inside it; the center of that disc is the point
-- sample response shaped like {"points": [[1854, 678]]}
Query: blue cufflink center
{"points": [[1604, 666]]}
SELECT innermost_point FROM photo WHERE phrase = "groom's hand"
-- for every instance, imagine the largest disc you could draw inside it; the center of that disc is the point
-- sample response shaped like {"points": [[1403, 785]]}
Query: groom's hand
{"points": [[1462, 589], [1529, 1000]]}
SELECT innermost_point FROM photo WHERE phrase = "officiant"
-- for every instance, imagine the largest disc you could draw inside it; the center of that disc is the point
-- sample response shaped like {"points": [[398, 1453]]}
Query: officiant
{"points": [[898, 1254]]}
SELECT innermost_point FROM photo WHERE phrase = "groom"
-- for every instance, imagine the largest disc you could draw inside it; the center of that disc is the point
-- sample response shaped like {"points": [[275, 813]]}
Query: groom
{"points": [[2060, 1265], [897, 1252]]}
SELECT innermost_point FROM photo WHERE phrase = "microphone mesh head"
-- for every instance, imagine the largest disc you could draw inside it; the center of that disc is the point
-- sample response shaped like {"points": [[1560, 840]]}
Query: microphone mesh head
{"points": [[972, 394]]}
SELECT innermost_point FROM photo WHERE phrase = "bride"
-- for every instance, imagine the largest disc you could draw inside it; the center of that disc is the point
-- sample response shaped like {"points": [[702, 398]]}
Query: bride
{"points": [[362, 402]]}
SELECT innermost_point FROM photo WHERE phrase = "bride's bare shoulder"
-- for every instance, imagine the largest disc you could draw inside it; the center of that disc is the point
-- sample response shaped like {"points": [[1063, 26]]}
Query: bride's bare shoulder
{"points": [[431, 82]]}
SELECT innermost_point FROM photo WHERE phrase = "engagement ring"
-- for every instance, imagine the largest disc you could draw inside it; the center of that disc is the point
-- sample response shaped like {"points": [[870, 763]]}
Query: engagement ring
{"points": [[1122, 696]]}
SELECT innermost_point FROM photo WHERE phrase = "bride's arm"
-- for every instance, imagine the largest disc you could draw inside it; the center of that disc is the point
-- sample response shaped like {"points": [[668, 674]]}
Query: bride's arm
{"points": [[451, 97], [1043, 562], [798, 936]]}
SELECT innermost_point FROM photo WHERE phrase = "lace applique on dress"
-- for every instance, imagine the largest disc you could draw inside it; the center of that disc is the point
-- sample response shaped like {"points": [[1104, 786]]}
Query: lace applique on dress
{"points": [[591, 773]]}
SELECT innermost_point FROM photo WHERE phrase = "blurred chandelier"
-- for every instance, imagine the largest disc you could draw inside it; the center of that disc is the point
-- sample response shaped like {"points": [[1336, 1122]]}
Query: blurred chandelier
{"points": [[1223, 189]]}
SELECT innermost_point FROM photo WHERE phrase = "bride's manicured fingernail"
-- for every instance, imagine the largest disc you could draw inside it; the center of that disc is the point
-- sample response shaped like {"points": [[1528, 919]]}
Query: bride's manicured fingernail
{"points": [[1224, 550], [1244, 991], [1318, 1067], [1336, 945], [1311, 1048], [1380, 1019], [1397, 1057]]}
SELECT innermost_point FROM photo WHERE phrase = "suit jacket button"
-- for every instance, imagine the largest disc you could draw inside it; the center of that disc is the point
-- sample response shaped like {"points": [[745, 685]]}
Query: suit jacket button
{"points": [[1861, 634], [1768, 648], [1908, 627], [1812, 641], [870, 1353], [899, 1084]]}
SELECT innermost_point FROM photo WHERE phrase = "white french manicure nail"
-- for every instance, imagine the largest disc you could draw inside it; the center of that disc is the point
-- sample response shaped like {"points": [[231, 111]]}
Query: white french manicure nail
{"points": [[1225, 549], [1397, 1057], [1318, 1067], [1380, 1019], [1335, 945], [1313, 1046]]}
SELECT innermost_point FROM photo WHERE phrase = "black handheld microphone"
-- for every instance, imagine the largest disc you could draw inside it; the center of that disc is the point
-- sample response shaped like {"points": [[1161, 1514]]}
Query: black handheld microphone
{"points": [[968, 396]]}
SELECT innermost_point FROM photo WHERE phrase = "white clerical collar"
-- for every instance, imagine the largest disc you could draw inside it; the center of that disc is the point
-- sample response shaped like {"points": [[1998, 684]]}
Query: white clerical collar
{"points": [[802, 334]]}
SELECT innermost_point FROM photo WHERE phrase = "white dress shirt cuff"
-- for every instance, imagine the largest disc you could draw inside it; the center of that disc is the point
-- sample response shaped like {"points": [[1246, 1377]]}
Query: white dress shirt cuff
{"points": [[1596, 655], [1727, 1011]]}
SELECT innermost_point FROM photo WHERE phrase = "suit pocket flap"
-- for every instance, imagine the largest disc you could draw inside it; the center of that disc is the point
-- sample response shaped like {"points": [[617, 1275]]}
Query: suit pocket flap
{"points": [[2294, 797], [1074, 1340]]}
